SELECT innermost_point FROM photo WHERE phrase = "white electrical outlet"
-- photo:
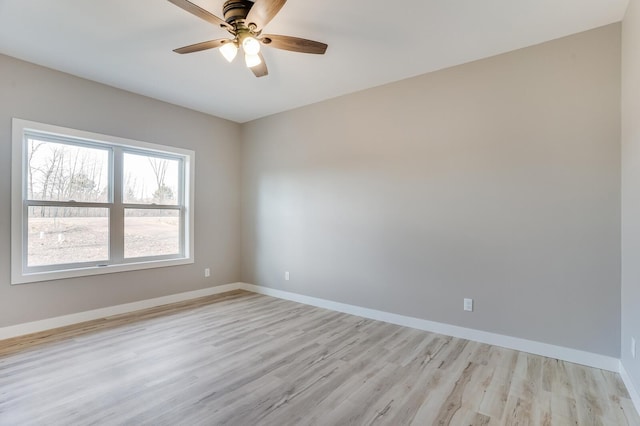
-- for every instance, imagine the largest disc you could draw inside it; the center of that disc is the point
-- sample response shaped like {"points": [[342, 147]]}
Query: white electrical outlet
{"points": [[633, 347], [286, 275], [468, 305], [207, 272]]}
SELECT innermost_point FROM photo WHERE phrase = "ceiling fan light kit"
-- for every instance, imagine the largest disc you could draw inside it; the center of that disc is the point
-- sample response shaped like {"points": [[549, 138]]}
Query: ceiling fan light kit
{"points": [[245, 20], [250, 45], [252, 60], [229, 51]]}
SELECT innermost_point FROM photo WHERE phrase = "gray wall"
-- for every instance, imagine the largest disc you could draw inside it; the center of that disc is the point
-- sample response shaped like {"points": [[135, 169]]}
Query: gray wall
{"points": [[497, 180], [631, 189], [35, 93]]}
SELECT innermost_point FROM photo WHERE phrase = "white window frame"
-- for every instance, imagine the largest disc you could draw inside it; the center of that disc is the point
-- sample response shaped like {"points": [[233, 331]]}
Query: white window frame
{"points": [[21, 273]]}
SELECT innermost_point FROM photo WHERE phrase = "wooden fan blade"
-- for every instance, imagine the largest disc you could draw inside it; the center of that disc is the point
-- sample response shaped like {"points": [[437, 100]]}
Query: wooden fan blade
{"points": [[201, 13], [294, 44], [211, 44], [263, 11], [260, 70]]}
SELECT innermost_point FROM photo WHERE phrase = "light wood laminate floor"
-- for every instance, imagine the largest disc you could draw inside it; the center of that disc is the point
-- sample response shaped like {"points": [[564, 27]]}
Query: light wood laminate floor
{"points": [[247, 359]]}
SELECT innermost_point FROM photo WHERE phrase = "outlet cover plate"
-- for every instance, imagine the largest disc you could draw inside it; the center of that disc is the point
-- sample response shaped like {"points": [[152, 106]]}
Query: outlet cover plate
{"points": [[468, 305]]}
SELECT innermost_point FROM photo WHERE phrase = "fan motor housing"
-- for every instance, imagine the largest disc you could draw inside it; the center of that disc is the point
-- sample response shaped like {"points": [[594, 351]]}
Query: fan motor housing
{"points": [[235, 10]]}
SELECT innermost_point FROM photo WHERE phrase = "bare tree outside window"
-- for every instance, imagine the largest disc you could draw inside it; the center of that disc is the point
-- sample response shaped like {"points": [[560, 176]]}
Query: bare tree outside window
{"points": [[153, 181], [150, 180], [68, 173], [162, 193]]}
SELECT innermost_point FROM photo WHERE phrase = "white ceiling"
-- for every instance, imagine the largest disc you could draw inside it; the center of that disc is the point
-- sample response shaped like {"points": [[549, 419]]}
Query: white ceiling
{"points": [[128, 44]]}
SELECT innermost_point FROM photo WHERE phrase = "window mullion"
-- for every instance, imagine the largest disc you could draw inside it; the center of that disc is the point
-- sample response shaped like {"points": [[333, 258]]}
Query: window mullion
{"points": [[151, 206], [116, 222], [33, 203]]}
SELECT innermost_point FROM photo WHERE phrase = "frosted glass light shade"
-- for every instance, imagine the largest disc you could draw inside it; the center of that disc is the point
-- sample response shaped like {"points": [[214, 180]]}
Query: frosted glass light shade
{"points": [[252, 60], [229, 51], [251, 46]]}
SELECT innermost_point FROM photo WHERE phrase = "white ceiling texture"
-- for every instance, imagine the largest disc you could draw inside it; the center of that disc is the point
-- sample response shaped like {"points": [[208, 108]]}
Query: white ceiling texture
{"points": [[128, 44]]}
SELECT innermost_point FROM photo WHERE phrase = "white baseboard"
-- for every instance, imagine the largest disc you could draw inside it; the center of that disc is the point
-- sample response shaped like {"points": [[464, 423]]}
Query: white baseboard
{"points": [[61, 321], [538, 348], [634, 392], [559, 352]]}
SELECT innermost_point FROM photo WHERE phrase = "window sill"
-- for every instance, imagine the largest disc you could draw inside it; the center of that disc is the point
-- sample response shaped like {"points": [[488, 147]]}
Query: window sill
{"points": [[20, 278]]}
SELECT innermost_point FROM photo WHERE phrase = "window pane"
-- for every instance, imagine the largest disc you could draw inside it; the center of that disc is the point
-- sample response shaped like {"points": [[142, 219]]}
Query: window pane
{"points": [[151, 232], [58, 235], [63, 172], [149, 179]]}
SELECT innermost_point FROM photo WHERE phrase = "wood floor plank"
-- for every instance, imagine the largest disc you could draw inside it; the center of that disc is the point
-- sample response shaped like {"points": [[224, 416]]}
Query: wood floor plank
{"points": [[245, 359]]}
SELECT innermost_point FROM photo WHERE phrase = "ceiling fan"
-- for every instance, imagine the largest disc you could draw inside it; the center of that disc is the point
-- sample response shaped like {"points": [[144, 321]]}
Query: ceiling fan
{"points": [[244, 20]]}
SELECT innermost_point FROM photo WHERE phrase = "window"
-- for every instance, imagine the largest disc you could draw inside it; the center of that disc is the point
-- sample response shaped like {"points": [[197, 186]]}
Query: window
{"points": [[87, 204]]}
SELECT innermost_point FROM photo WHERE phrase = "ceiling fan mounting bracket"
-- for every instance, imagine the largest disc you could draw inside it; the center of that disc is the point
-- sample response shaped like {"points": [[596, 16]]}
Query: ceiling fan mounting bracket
{"points": [[235, 13], [235, 10]]}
